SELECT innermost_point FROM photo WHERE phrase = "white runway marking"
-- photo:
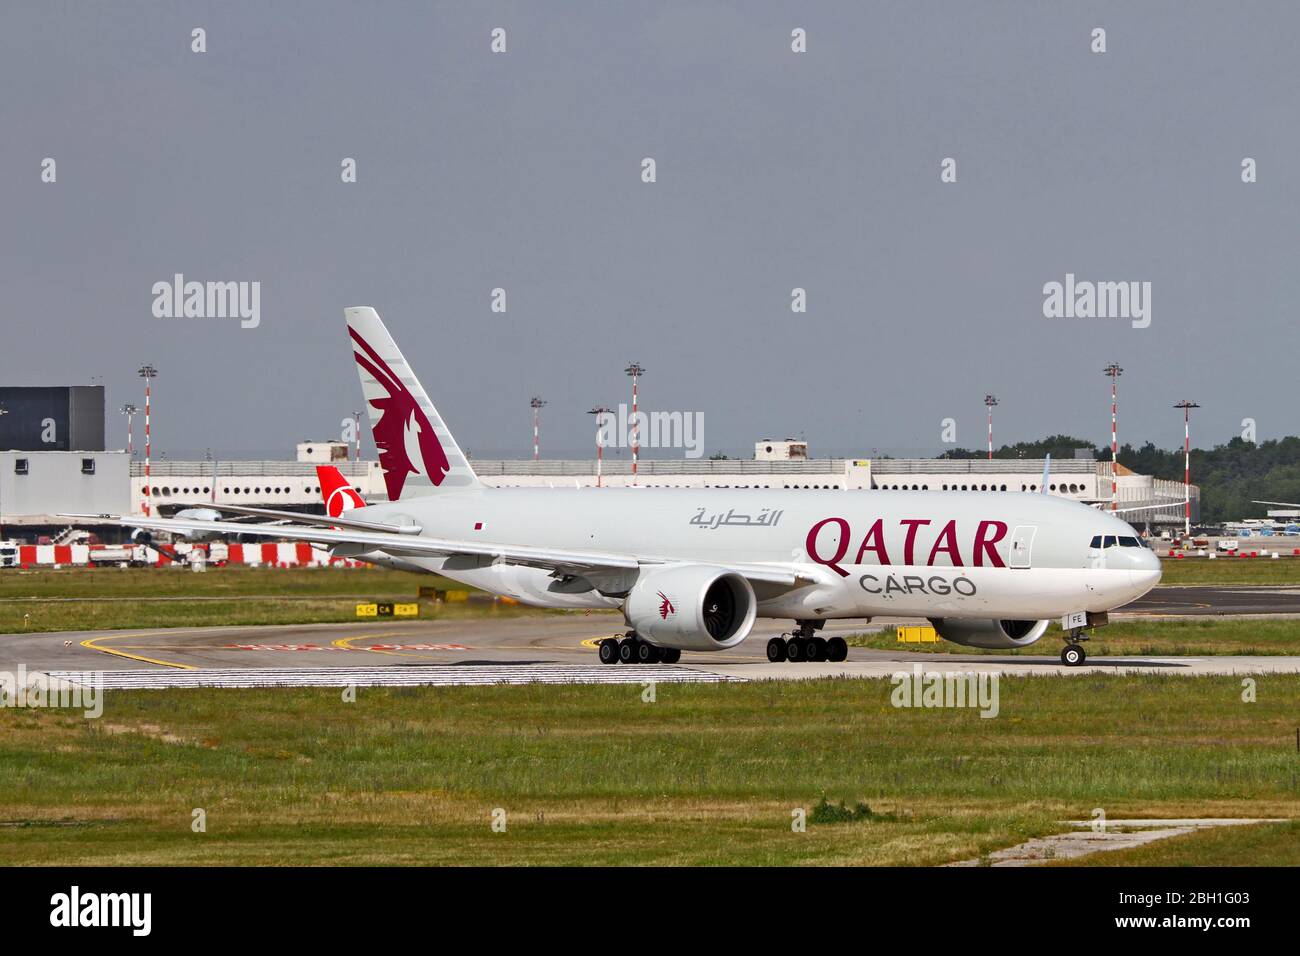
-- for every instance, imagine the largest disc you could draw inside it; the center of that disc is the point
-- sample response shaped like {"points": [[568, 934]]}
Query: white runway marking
{"points": [[438, 676]]}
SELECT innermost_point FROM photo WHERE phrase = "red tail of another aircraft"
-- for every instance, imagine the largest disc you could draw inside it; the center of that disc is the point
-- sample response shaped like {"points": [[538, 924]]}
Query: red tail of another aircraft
{"points": [[339, 496]]}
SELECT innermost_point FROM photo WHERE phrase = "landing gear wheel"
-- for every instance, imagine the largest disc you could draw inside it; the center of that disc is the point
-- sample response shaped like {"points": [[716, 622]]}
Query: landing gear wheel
{"points": [[796, 649], [776, 650], [627, 651], [815, 649], [1073, 655], [837, 649], [670, 655], [646, 653], [609, 651]]}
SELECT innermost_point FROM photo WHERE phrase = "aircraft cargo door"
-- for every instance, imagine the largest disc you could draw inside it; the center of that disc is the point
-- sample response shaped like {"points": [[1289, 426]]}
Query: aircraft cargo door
{"points": [[1022, 545]]}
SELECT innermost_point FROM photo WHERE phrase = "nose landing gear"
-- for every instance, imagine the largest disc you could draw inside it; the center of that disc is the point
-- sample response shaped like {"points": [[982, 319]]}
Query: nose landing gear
{"points": [[1073, 654]]}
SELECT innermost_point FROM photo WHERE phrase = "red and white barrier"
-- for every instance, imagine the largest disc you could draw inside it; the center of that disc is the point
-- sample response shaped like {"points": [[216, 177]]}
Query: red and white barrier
{"points": [[274, 554]]}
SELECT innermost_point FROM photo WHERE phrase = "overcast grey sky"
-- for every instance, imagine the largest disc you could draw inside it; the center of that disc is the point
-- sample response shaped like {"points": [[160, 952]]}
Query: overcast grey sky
{"points": [[776, 170]]}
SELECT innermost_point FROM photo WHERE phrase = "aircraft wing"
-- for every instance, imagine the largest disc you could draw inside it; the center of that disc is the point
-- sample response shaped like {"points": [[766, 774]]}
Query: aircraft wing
{"points": [[323, 521], [405, 544]]}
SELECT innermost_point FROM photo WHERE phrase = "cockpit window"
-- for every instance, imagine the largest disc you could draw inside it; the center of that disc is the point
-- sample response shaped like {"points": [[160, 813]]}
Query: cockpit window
{"points": [[1112, 541]]}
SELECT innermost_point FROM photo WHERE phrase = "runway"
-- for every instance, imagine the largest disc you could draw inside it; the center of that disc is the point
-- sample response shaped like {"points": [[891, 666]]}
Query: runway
{"points": [[550, 648], [1212, 601]]}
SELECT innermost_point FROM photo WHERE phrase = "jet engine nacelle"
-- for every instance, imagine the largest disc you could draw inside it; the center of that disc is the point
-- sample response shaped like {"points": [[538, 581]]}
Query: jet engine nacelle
{"points": [[141, 536], [691, 608], [993, 634]]}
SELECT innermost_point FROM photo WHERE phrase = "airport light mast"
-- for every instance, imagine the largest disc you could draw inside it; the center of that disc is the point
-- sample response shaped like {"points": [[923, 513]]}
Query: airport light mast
{"points": [[636, 371], [1114, 371], [989, 402], [148, 373], [356, 424], [599, 411], [129, 411], [536, 405], [1187, 407]]}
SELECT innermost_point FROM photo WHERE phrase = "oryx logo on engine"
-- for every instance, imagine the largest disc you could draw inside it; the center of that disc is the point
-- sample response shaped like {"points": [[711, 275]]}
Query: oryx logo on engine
{"points": [[666, 607]]}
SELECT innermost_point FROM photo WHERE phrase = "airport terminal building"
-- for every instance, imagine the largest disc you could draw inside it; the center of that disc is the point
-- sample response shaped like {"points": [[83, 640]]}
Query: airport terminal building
{"points": [[53, 461]]}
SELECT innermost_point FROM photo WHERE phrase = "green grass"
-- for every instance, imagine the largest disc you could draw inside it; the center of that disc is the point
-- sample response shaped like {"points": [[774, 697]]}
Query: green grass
{"points": [[79, 599], [594, 775], [1231, 570], [1265, 844], [1194, 638], [228, 582]]}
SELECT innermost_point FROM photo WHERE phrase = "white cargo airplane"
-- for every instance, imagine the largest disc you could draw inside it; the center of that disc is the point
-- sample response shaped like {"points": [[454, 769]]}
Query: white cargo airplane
{"points": [[691, 569]]}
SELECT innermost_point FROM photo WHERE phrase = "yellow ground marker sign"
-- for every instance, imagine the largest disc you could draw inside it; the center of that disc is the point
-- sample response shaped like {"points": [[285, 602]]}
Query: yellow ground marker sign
{"points": [[388, 610], [916, 634]]}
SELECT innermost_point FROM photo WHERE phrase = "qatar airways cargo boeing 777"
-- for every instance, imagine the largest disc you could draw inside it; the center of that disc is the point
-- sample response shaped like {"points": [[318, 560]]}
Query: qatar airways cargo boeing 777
{"points": [[692, 569]]}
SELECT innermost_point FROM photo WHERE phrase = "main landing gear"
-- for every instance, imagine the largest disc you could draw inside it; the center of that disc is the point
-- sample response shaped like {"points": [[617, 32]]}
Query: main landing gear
{"points": [[1073, 655], [804, 645], [632, 650]]}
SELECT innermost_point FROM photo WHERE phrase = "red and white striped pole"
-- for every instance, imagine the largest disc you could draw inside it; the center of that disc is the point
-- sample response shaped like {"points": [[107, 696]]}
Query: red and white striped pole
{"points": [[989, 402], [147, 372], [1114, 371], [635, 370], [129, 411], [536, 404], [599, 411], [356, 424], [1187, 407]]}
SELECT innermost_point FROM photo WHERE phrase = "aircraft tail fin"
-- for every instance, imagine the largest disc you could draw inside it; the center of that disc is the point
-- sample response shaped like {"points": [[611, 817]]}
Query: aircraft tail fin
{"points": [[337, 492], [416, 449]]}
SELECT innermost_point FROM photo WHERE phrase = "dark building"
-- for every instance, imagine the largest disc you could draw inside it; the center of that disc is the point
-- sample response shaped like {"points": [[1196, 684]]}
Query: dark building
{"points": [[54, 418]]}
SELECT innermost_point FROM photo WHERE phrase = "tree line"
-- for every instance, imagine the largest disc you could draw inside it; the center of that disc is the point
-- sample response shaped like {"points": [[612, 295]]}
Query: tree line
{"points": [[1231, 476]]}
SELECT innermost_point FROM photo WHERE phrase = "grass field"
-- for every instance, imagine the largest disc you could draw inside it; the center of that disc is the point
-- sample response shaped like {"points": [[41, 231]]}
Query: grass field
{"points": [[1231, 571], [93, 598], [1265, 844], [595, 775], [1190, 638], [232, 582]]}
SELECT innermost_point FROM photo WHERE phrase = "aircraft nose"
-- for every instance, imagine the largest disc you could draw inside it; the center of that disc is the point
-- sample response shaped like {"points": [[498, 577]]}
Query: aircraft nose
{"points": [[1147, 569]]}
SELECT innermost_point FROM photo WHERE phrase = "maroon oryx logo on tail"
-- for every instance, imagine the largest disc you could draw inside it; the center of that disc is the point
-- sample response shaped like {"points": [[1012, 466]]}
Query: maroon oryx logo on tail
{"points": [[403, 430], [666, 607]]}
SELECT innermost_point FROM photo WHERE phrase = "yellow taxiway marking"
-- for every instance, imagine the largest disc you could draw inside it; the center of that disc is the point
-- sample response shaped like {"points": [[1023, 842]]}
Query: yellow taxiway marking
{"points": [[346, 643], [93, 644], [594, 642]]}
